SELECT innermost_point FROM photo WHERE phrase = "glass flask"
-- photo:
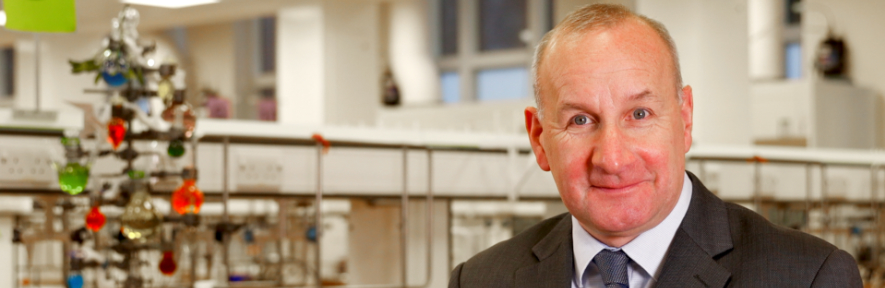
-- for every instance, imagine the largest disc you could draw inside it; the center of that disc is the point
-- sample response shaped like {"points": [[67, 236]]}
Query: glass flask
{"points": [[75, 280], [176, 148], [140, 221], [73, 176], [95, 219], [188, 198], [167, 264], [114, 65], [180, 114], [116, 131], [165, 88]]}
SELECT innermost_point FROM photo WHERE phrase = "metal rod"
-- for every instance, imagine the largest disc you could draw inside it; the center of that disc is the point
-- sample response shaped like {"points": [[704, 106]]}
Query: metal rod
{"points": [[225, 218], [404, 214], [318, 217], [874, 206], [823, 200], [808, 188], [430, 215], [757, 187], [37, 71]]}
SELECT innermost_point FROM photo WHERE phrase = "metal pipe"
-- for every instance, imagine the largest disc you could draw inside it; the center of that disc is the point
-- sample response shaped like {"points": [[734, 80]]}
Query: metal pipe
{"points": [[429, 208], [404, 214], [225, 218], [874, 206], [318, 217], [808, 184], [37, 71], [757, 187]]}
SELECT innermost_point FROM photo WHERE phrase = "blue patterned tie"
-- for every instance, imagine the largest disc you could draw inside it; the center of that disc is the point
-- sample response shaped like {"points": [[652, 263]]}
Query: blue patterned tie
{"points": [[613, 268]]}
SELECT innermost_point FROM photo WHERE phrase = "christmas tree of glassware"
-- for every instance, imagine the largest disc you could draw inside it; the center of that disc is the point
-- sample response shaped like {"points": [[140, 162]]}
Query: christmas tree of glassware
{"points": [[145, 101]]}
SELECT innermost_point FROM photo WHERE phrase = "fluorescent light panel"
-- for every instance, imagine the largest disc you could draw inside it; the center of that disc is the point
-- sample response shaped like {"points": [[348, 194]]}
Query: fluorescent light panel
{"points": [[174, 4], [2, 18]]}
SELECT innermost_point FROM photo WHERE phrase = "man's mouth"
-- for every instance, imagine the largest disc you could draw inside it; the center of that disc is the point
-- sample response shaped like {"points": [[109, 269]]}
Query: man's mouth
{"points": [[616, 188]]}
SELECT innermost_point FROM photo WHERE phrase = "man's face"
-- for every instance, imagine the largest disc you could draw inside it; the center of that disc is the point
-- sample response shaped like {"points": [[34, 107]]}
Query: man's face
{"points": [[613, 132]]}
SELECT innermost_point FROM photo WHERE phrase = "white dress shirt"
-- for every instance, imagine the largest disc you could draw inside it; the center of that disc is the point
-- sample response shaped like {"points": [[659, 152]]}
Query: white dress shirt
{"points": [[646, 251]]}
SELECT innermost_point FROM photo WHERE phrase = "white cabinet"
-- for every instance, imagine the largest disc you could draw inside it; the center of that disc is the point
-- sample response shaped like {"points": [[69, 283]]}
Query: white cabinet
{"points": [[814, 113]]}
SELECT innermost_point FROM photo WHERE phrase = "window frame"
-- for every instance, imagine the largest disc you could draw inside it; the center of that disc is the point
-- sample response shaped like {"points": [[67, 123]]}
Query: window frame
{"points": [[470, 59]]}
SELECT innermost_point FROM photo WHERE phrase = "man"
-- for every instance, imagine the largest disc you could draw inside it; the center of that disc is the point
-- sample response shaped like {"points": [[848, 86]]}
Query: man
{"points": [[613, 125]]}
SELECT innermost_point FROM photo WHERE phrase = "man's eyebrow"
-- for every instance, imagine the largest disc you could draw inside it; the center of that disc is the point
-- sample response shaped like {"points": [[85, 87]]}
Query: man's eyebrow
{"points": [[645, 95]]}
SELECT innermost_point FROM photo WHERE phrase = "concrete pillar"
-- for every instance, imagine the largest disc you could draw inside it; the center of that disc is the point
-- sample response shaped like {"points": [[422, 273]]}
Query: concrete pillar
{"points": [[327, 63], [766, 26]]}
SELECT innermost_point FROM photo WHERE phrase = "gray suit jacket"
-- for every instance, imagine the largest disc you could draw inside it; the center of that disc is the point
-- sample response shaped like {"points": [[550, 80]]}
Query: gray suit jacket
{"points": [[718, 244]]}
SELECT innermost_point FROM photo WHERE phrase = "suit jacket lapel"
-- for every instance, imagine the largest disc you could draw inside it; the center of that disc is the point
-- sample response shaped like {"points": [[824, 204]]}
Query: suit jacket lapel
{"points": [[555, 266], [703, 235]]}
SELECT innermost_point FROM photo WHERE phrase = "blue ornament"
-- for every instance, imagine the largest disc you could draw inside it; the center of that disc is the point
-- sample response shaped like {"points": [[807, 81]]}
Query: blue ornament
{"points": [[114, 69], [248, 236], [75, 280], [312, 234]]}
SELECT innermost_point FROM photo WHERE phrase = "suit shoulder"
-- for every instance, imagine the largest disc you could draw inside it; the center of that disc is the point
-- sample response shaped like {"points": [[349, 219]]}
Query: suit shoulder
{"points": [[757, 238], [500, 261]]}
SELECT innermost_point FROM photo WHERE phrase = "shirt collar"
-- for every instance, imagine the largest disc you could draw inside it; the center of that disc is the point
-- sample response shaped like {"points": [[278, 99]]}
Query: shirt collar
{"points": [[648, 249]]}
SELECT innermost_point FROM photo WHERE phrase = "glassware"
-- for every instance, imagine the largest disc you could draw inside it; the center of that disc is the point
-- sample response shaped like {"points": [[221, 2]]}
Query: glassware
{"points": [[181, 115], [75, 280], [73, 176], [187, 198], [167, 264], [165, 88], [140, 221], [116, 131], [95, 219], [176, 148], [114, 66]]}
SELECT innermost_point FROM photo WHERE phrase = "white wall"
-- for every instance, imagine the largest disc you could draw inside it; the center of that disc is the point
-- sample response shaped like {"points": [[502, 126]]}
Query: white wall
{"points": [[411, 57], [212, 59], [711, 37], [860, 24], [766, 25]]}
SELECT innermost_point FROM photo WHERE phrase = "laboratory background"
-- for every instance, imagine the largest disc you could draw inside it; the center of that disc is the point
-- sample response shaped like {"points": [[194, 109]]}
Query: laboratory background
{"points": [[379, 143]]}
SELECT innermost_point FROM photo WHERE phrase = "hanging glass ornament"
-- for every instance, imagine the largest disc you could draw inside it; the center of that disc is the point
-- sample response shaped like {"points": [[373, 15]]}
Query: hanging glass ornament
{"points": [[167, 264], [187, 198], [75, 280], [114, 67], [73, 176], [181, 115], [165, 88], [176, 148], [116, 131], [140, 220], [95, 219]]}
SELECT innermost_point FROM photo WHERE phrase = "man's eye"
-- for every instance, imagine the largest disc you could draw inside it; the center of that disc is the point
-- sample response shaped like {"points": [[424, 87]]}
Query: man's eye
{"points": [[640, 114], [580, 120]]}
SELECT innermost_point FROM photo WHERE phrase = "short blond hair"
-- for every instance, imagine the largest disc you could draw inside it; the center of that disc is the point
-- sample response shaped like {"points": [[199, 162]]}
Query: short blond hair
{"points": [[595, 17]]}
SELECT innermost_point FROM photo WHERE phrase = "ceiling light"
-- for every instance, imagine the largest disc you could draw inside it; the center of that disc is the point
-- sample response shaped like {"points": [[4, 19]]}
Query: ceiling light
{"points": [[174, 4], [2, 18]]}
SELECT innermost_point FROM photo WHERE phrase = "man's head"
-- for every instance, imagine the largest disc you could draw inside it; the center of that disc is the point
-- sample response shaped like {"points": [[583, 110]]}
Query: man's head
{"points": [[616, 122]]}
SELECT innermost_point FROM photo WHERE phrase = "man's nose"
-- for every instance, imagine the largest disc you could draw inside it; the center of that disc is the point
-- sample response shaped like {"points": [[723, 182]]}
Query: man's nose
{"points": [[612, 151]]}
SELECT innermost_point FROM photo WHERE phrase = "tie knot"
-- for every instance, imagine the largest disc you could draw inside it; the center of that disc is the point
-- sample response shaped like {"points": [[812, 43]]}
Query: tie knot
{"points": [[612, 267]]}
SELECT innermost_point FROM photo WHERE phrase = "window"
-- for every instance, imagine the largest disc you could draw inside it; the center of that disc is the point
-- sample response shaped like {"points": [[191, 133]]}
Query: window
{"points": [[501, 24], [450, 87], [793, 60], [484, 47], [7, 70], [498, 84], [792, 39], [267, 43]]}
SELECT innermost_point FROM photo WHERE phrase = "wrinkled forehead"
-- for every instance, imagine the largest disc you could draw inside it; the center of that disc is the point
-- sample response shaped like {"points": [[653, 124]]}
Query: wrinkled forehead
{"points": [[629, 45]]}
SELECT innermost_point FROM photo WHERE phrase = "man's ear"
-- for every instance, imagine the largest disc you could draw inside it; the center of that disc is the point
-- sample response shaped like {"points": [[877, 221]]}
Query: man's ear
{"points": [[534, 129], [687, 110]]}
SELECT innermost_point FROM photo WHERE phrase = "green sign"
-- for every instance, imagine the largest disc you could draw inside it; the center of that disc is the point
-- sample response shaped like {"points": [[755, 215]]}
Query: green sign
{"points": [[41, 15]]}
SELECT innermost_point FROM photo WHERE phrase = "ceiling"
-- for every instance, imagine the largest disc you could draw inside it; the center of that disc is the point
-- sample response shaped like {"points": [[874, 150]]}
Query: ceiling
{"points": [[94, 16]]}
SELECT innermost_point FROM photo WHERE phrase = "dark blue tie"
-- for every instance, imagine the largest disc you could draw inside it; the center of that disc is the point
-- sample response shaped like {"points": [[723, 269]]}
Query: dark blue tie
{"points": [[613, 268]]}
